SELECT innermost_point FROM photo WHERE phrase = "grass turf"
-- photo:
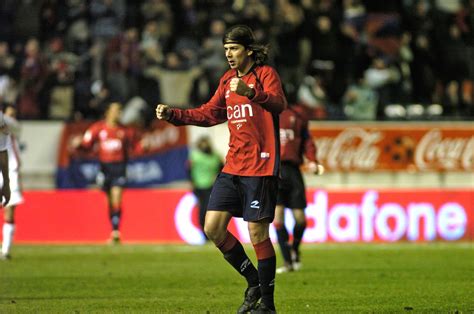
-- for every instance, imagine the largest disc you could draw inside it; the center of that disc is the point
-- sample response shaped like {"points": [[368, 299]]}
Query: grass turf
{"points": [[437, 277]]}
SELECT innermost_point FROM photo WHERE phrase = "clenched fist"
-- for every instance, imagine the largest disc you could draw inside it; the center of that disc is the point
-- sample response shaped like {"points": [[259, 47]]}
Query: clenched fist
{"points": [[162, 112], [239, 87]]}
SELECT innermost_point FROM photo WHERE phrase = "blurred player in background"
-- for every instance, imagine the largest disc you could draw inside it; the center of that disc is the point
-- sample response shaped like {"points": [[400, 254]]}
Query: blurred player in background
{"points": [[115, 141], [204, 165], [295, 142], [250, 97], [16, 196]]}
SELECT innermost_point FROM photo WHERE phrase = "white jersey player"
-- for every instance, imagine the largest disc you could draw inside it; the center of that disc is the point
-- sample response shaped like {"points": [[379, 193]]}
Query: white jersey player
{"points": [[13, 129]]}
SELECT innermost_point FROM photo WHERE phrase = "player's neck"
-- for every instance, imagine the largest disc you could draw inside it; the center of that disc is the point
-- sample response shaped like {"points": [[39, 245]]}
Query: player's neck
{"points": [[111, 123], [246, 69]]}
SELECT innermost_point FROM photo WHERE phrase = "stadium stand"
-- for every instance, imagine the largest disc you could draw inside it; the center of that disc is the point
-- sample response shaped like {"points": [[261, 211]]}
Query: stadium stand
{"points": [[345, 60]]}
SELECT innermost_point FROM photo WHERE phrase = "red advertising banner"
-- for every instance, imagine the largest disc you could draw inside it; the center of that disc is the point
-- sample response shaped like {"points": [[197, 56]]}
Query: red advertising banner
{"points": [[170, 216], [395, 146]]}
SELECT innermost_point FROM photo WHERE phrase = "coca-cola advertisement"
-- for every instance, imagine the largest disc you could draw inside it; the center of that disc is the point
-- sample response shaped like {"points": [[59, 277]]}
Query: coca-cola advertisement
{"points": [[395, 147]]}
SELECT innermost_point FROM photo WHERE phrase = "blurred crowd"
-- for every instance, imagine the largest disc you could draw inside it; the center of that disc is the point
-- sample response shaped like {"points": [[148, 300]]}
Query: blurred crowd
{"points": [[343, 59]]}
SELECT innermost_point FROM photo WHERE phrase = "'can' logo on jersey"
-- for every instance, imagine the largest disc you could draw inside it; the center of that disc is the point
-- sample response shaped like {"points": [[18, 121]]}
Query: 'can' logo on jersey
{"points": [[239, 111]]}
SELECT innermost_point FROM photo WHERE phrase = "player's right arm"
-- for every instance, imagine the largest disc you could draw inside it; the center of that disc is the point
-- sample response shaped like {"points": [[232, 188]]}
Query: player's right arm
{"points": [[86, 140], [211, 113]]}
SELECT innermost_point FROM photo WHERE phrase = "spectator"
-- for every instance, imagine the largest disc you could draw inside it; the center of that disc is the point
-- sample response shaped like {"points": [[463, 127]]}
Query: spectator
{"points": [[150, 45], [123, 64], [383, 78], [99, 98], [214, 62], [159, 11], [453, 53], [312, 94], [327, 48], [423, 70], [253, 13], [7, 19], [175, 80], [8, 86], [106, 23], [7, 60], [60, 91], [106, 18], [289, 33], [360, 102], [32, 75], [189, 19], [27, 19]]}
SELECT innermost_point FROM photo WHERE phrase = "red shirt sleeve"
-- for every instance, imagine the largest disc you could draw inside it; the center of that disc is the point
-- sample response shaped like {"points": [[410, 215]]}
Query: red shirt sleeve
{"points": [[310, 149], [271, 97], [211, 113], [90, 136]]}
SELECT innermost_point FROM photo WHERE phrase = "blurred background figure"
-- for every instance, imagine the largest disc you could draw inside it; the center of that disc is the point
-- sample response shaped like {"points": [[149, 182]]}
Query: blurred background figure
{"points": [[360, 102], [16, 197], [296, 144], [205, 165], [115, 142]]}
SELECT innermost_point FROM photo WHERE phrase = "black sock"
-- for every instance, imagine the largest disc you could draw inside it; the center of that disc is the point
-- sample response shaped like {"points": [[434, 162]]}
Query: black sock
{"points": [[282, 235], [235, 255], [298, 236], [115, 219], [266, 271]]}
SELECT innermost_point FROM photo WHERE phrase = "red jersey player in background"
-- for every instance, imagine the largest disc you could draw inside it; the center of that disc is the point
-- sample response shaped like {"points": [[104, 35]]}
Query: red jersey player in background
{"points": [[250, 98], [295, 142], [115, 141]]}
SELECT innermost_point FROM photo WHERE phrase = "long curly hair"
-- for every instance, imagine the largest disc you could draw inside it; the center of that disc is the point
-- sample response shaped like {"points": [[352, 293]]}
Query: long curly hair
{"points": [[243, 35]]}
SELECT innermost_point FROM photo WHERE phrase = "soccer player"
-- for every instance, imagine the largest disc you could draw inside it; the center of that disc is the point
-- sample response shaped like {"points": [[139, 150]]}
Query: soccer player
{"points": [[250, 97], [115, 141], [16, 197], [295, 142]]}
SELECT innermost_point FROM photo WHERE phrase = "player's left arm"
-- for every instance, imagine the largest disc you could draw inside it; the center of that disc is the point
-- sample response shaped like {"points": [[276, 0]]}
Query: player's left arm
{"points": [[311, 151], [270, 97], [6, 178], [4, 144]]}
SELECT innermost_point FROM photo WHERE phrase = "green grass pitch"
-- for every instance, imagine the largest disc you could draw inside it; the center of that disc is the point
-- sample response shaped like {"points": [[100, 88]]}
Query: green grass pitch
{"points": [[436, 277]]}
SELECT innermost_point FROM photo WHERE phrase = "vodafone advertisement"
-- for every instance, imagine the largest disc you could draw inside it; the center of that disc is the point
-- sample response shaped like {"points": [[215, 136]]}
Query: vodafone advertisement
{"points": [[170, 216], [395, 146]]}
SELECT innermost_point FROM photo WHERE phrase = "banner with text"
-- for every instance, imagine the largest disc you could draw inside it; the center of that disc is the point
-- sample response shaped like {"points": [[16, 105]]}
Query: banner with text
{"points": [[171, 216], [164, 161], [395, 146]]}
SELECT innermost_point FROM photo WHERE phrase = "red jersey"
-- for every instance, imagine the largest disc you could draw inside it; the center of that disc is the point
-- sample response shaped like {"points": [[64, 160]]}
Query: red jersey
{"points": [[254, 144], [114, 142], [295, 138]]}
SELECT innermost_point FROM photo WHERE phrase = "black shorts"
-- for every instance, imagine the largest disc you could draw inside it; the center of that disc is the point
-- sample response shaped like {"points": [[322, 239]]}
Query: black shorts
{"points": [[112, 174], [291, 190], [253, 198]]}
